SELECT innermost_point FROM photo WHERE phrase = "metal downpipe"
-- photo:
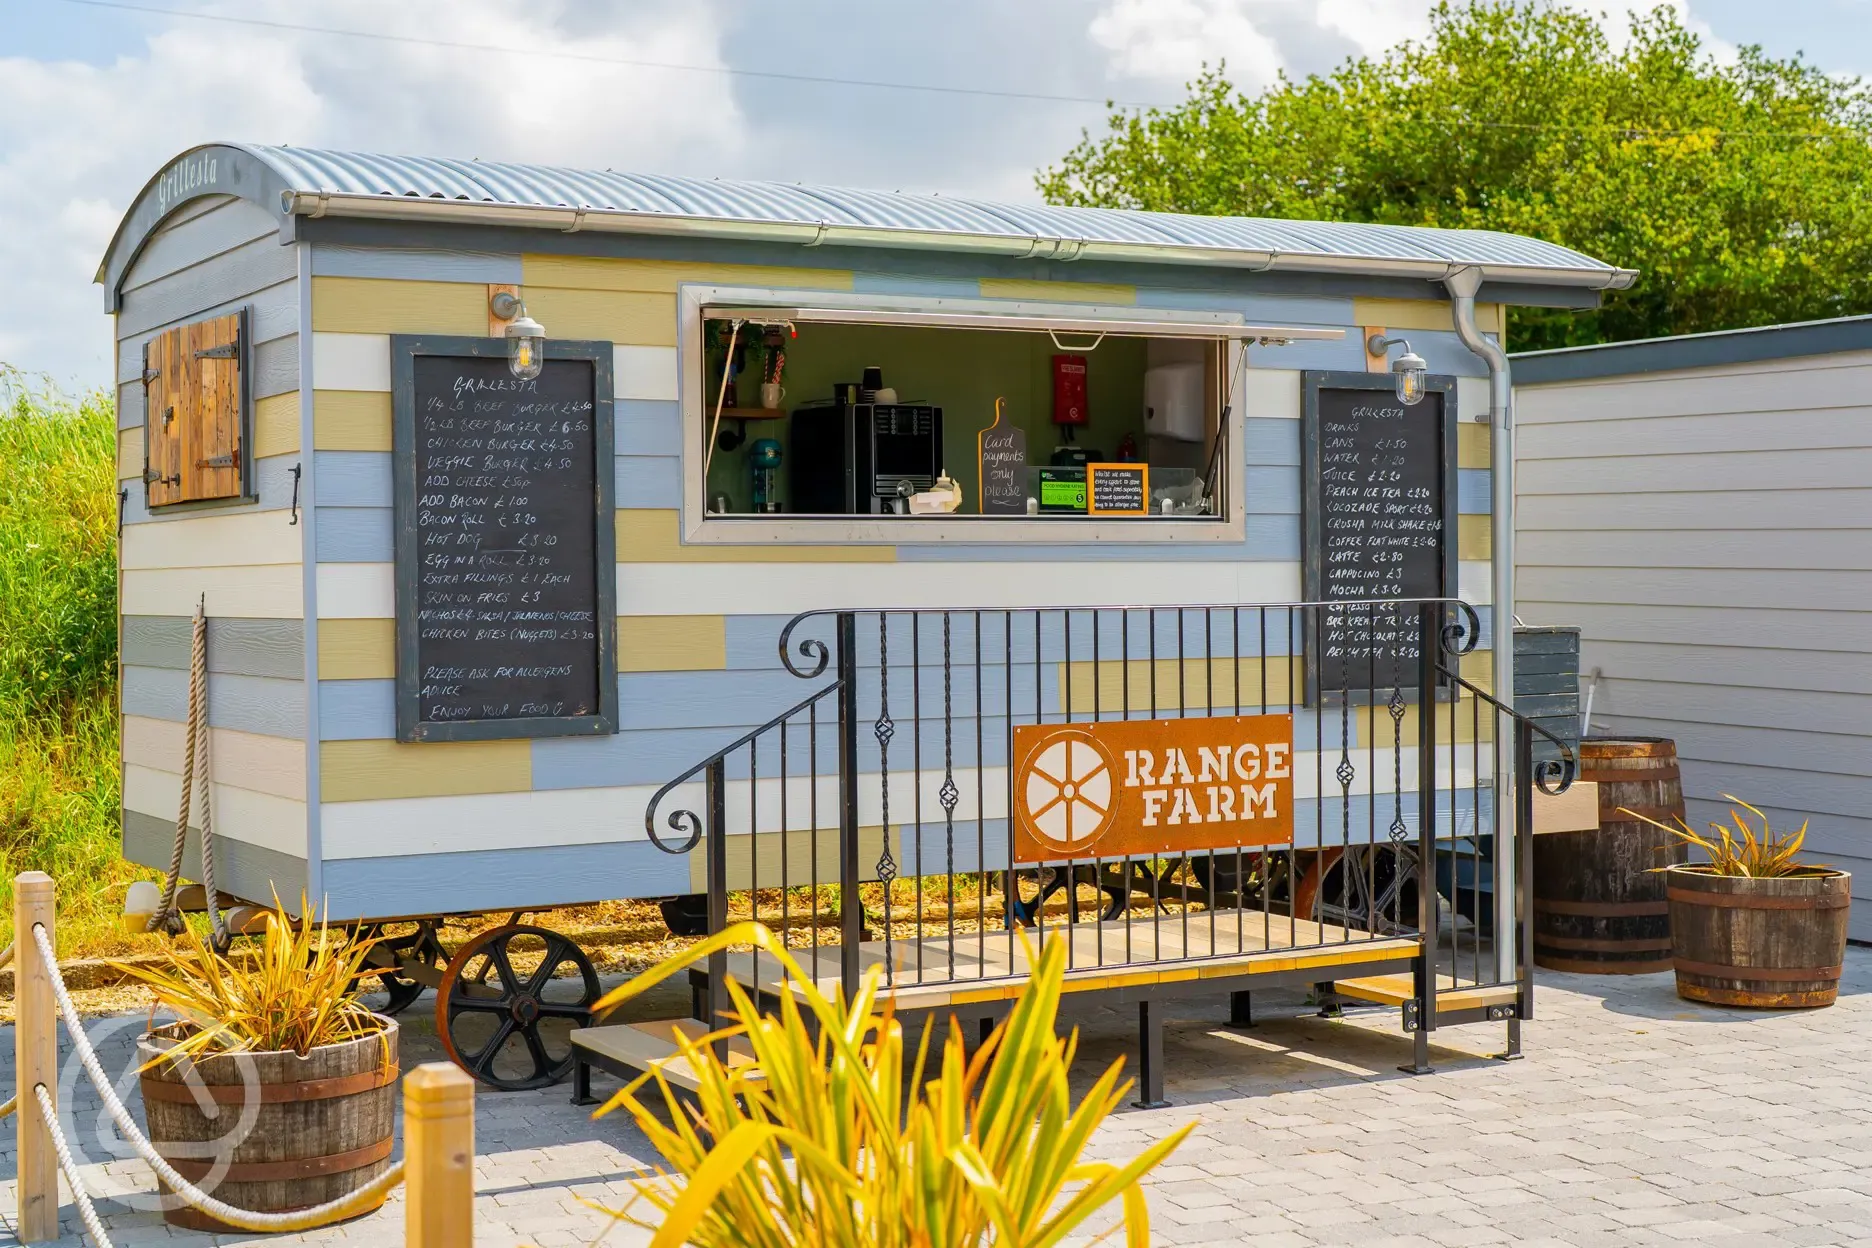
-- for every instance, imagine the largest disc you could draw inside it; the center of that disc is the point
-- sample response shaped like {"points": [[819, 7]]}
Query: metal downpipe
{"points": [[1462, 287]]}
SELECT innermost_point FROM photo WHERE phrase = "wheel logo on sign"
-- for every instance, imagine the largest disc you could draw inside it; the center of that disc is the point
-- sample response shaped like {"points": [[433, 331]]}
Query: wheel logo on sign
{"points": [[1067, 791]]}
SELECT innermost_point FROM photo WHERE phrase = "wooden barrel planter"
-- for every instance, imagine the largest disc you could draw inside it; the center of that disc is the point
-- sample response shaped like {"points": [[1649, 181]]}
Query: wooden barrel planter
{"points": [[1599, 904], [305, 1130], [1774, 943]]}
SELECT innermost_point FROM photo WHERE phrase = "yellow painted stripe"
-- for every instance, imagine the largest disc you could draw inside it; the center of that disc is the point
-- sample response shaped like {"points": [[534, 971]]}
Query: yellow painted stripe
{"points": [[365, 649], [350, 420], [130, 453], [1057, 292], [374, 305], [631, 318], [357, 771], [1472, 445], [663, 277], [672, 643], [1475, 537], [654, 536], [1194, 682], [276, 425], [356, 649], [1429, 314]]}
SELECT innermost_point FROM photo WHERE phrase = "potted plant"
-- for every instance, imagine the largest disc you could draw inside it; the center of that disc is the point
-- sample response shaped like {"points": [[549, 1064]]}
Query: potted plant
{"points": [[1755, 925], [301, 1077]]}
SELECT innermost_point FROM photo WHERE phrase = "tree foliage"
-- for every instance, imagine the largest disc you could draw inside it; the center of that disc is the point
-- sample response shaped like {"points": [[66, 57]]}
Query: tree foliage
{"points": [[1741, 191]]}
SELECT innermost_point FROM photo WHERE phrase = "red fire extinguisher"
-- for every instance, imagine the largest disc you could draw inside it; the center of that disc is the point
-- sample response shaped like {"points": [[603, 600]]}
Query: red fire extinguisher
{"points": [[1069, 393]]}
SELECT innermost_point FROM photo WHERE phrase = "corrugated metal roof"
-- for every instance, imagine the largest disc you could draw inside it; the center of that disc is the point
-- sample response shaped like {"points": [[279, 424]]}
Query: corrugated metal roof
{"points": [[313, 171], [1713, 349]]}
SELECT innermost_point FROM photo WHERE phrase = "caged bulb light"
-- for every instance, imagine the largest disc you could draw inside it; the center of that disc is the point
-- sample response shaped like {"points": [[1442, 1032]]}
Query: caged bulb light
{"points": [[1408, 369], [526, 347]]}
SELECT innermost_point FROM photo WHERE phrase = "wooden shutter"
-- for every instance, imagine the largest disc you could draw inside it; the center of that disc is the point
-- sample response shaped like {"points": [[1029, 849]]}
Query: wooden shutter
{"points": [[194, 412]]}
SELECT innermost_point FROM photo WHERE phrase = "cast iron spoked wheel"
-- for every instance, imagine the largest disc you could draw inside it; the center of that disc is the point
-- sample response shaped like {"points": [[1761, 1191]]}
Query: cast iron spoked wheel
{"points": [[420, 945], [509, 1002], [1032, 889]]}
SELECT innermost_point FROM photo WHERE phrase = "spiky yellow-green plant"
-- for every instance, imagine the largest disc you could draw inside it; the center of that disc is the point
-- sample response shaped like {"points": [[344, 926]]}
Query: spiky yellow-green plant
{"points": [[822, 1139], [1743, 851], [299, 991]]}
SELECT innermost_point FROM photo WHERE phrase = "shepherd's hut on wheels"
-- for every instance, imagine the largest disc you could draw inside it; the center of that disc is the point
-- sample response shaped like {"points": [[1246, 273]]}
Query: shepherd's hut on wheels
{"points": [[565, 535]]}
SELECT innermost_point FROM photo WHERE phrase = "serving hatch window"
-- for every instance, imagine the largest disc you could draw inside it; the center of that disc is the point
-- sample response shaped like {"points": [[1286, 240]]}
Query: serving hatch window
{"points": [[870, 418]]}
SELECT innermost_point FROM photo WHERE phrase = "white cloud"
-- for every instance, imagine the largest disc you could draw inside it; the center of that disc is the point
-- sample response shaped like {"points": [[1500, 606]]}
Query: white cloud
{"points": [[88, 136], [1172, 39]]}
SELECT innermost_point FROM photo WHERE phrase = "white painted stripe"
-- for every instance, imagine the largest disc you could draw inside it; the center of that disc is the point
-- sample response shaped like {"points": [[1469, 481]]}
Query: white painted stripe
{"points": [[1475, 582], [457, 824], [782, 589], [262, 819], [357, 591], [1269, 393], [250, 537], [275, 765], [1471, 398], [351, 362], [272, 592], [643, 372]]}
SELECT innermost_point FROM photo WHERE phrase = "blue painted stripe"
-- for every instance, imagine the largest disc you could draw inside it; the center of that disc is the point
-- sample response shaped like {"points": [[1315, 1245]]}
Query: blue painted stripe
{"points": [[890, 284], [1272, 443], [273, 487], [648, 427], [356, 535], [1271, 491], [415, 264], [1474, 487], [352, 479], [354, 710], [1341, 354], [649, 482], [500, 879], [258, 704]]}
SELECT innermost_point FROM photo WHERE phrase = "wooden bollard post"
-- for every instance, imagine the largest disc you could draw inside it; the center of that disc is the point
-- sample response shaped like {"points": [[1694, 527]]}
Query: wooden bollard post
{"points": [[438, 1156], [35, 1058]]}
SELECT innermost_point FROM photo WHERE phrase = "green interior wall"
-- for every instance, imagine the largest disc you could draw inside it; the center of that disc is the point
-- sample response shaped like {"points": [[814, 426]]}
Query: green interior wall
{"points": [[960, 370]]}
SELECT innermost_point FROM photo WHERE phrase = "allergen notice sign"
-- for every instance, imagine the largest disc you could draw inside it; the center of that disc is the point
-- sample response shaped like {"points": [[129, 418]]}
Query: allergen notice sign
{"points": [[506, 584]]}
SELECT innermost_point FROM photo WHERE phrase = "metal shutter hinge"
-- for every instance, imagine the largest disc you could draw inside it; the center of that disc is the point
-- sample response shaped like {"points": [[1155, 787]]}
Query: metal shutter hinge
{"points": [[226, 351]]}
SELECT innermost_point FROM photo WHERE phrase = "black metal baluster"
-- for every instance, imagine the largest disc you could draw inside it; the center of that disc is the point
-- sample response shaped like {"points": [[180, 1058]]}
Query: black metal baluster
{"points": [[1156, 863], [1097, 878], [851, 905], [948, 795], [916, 785], [1345, 773], [1267, 853], [981, 812], [884, 730], [812, 833], [1124, 687]]}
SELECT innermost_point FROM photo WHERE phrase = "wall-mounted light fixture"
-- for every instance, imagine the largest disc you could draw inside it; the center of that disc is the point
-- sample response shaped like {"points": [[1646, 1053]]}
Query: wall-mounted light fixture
{"points": [[526, 337], [1408, 369]]}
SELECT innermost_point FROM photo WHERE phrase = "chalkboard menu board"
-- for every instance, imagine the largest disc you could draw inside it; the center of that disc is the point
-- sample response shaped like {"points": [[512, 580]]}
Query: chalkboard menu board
{"points": [[1118, 489], [1380, 525], [505, 542]]}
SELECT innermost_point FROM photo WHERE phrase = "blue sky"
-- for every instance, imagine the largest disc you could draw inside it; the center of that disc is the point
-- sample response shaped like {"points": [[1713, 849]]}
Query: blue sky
{"points": [[97, 98]]}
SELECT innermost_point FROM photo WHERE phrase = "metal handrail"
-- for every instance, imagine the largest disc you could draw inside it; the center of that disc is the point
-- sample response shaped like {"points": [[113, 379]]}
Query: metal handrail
{"points": [[687, 820], [1567, 766], [1458, 638]]}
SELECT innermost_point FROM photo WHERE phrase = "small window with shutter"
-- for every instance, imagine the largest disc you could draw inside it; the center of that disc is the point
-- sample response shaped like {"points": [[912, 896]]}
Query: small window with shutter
{"points": [[194, 379]]}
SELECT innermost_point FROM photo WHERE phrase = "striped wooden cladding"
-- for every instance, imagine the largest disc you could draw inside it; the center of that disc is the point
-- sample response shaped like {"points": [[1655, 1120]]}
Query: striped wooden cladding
{"points": [[276, 424], [1057, 292], [130, 453], [665, 276], [1404, 315], [365, 649], [268, 591], [193, 412], [655, 536], [351, 420], [1472, 441], [353, 771], [212, 541], [242, 814], [368, 305], [1172, 687], [618, 316], [1475, 537], [356, 649], [275, 765]]}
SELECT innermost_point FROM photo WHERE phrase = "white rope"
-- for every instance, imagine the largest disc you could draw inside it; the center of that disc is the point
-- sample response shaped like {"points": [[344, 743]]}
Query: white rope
{"points": [[297, 1219], [195, 786], [94, 1227]]}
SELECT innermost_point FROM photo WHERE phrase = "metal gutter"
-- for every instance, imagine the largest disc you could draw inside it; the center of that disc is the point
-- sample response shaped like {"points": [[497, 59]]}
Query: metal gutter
{"points": [[821, 233], [1462, 288]]}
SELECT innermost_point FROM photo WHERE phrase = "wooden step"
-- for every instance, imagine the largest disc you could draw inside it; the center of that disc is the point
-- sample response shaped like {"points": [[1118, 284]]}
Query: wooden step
{"points": [[1452, 994], [637, 1048]]}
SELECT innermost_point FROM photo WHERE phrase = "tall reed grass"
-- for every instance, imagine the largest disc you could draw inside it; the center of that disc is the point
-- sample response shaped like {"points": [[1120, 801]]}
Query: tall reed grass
{"points": [[59, 787]]}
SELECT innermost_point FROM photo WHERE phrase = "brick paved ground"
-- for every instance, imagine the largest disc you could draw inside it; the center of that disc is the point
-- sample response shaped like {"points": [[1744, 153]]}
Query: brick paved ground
{"points": [[1636, 1119]]}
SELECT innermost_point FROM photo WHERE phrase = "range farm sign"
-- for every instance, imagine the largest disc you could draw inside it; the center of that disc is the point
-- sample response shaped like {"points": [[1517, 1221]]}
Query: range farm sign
{"points": [[1140, 788]]}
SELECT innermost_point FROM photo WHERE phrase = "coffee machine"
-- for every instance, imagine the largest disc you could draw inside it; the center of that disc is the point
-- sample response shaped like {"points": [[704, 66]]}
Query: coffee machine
{"points": [[862, 458]]}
